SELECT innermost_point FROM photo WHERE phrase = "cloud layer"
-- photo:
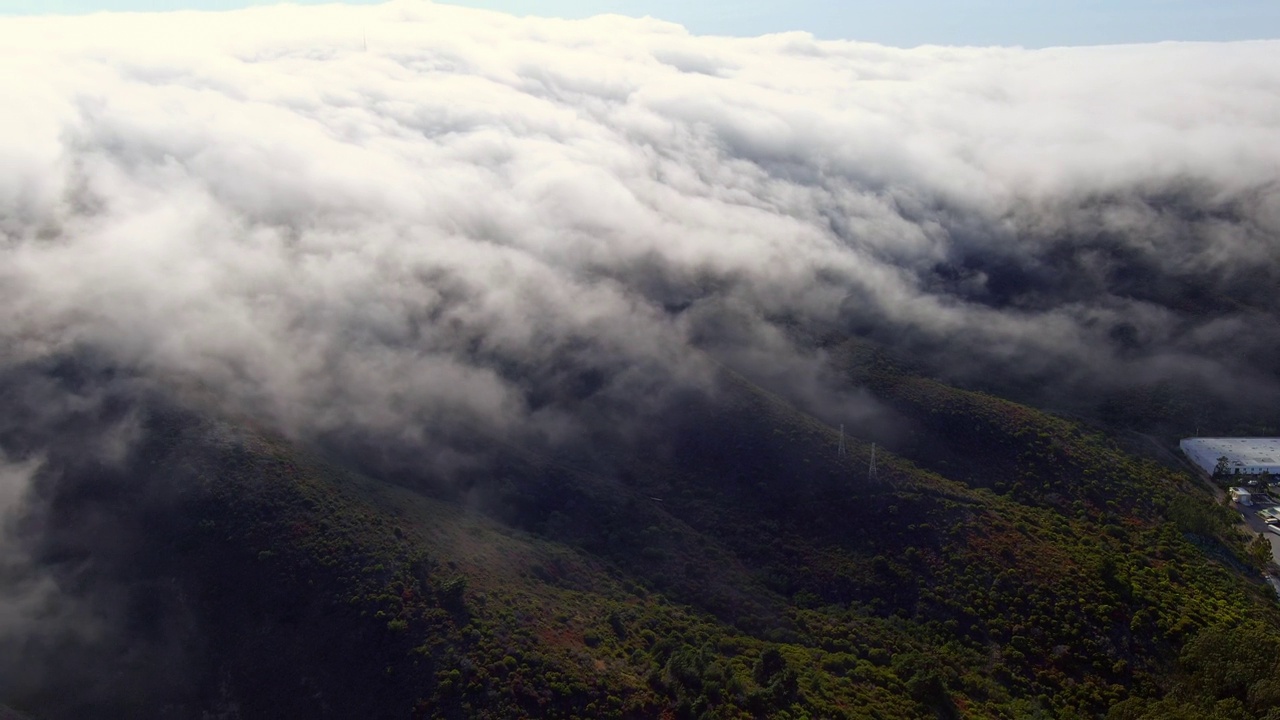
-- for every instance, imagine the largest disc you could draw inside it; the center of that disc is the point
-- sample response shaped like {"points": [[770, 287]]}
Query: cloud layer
{"points": [[398, 216], [408, 223]]}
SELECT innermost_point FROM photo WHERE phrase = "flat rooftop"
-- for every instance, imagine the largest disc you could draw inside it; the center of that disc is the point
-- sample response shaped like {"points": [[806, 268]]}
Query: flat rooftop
{"points": [[1246, 451]]}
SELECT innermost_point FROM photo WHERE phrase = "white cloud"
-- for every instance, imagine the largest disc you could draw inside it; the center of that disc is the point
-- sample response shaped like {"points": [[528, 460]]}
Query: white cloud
{"points": [[438, 224]]}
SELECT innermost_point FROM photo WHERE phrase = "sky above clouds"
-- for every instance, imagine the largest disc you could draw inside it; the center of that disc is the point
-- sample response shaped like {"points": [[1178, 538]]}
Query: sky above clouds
{"points": [[903, 24]]}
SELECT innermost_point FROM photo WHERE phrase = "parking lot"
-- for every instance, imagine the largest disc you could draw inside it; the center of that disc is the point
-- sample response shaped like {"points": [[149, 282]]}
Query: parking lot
{"points": [[1255, 517]]}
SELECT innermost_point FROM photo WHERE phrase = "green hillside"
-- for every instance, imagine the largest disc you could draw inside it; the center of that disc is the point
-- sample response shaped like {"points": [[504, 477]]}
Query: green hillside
{"points": [[1006, 564]]}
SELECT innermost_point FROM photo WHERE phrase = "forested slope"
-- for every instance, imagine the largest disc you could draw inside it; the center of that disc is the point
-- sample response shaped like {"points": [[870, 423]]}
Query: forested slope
{"points": [[1007, 564]]}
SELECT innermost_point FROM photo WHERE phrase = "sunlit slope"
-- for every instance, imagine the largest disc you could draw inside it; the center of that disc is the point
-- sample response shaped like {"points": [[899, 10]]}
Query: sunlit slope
{"points": [[1065, 570]]}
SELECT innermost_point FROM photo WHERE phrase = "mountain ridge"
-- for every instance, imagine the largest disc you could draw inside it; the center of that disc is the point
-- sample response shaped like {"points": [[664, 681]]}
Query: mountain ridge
{"points": [[736, 566]]}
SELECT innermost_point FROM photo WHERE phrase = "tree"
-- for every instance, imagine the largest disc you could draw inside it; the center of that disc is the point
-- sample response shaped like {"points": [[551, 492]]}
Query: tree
{"points": [[1260, 551], [1220, 471]]}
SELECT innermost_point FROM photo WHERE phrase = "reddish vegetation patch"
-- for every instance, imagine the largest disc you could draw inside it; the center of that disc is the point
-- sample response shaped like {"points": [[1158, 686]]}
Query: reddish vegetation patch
{"points": [[561, 637]]}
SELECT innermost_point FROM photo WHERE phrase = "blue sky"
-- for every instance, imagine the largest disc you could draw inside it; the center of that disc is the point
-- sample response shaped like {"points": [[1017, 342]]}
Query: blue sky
{"points": [[1031, 23]]}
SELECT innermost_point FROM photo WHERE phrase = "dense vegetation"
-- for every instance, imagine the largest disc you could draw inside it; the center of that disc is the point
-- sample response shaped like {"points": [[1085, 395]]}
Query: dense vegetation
{"points": [[1005, 563]]}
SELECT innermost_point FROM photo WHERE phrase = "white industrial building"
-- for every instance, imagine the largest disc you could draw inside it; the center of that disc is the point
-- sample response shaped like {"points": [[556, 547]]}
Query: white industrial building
{"points": [[1245, 456]]}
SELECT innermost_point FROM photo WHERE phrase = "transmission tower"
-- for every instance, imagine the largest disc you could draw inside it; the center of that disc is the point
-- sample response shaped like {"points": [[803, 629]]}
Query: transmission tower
{"points": [[871, 469]]}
